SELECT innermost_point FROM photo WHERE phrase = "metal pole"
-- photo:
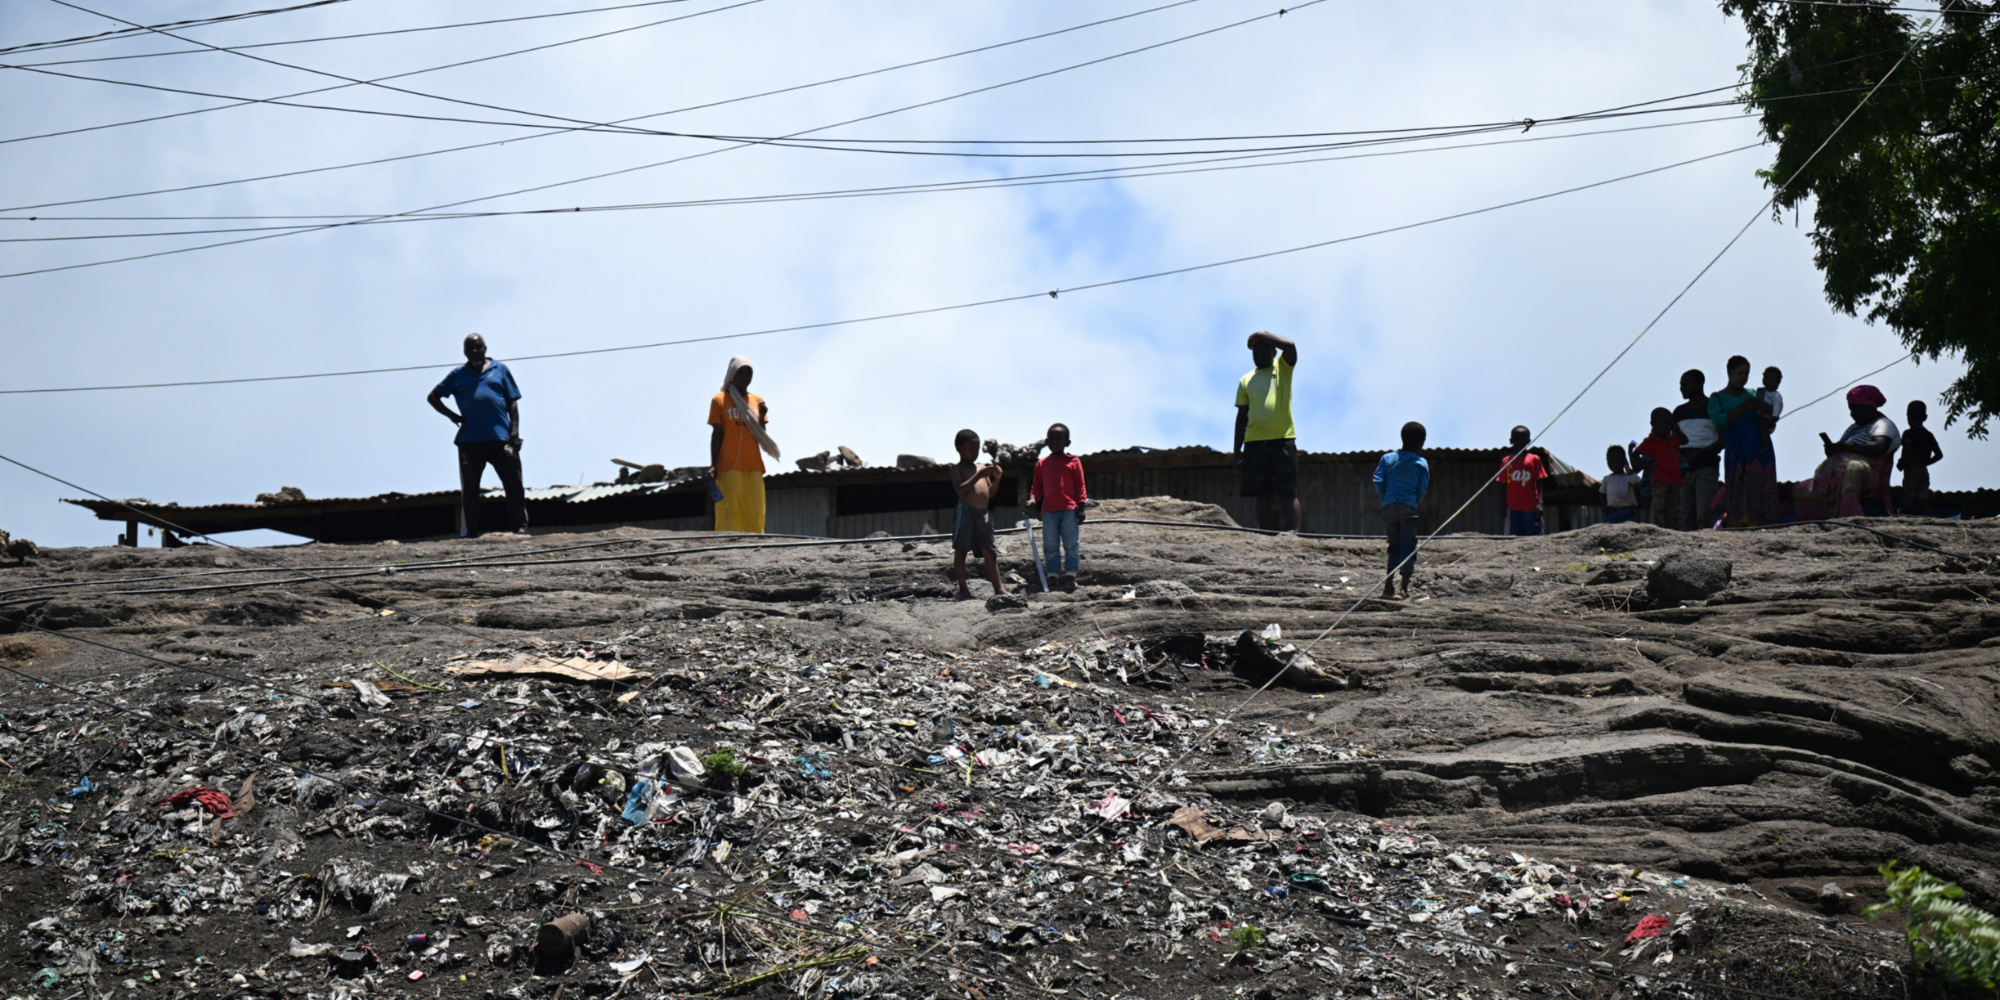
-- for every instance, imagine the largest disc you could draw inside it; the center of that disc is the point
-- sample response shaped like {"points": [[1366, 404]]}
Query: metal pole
{"points": [[1036, 556]]}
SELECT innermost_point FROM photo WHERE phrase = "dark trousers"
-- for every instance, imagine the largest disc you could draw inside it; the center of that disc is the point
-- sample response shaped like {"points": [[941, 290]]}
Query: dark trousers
{"points": [[506, 461], [1400, 522]]}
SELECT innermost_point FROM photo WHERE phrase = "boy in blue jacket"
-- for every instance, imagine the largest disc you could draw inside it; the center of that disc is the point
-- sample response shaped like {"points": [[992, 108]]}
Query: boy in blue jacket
{"points": [[1401, 480]]}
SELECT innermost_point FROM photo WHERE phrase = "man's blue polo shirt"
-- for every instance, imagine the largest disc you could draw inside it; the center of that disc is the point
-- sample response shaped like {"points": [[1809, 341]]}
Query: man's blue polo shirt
{"points": [[482, 400]]}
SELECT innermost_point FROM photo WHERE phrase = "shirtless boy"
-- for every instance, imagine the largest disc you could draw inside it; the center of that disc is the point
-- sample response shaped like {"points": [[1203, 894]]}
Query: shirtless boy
{"points": [[973, 531]]}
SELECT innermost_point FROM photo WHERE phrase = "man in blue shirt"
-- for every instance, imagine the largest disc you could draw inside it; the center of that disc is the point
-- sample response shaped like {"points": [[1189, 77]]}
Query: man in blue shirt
{"points": [[489, 431], [1401, 480]]}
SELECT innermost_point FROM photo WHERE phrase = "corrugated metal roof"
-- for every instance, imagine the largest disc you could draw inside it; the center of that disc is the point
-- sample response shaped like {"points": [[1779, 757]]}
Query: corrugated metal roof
{"points": [[547, 492], [1186, 454]]}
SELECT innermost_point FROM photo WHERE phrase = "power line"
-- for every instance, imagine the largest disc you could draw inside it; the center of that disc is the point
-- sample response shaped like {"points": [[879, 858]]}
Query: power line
{"points": [[656, 114], [930, 310], [351, 81], [690, 156], [245, 102], [1857, 378], [824, 144], [360, 34], [104, 36], [702, 106], [932, 187]]}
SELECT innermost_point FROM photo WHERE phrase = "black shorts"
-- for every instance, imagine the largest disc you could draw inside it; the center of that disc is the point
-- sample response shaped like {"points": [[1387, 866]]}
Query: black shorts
{"points": [[972, 530], [1270, 468]]}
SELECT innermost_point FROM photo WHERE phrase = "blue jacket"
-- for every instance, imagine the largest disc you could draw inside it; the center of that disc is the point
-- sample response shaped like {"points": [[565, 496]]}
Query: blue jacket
{"points": [[1402, 477]]}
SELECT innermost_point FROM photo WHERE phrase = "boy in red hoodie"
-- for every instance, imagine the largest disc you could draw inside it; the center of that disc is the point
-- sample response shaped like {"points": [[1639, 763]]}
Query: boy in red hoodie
{"points": [[1057, 494]]}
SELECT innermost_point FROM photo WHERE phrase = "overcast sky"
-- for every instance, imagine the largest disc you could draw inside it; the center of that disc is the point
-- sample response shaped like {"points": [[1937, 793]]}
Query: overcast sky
{"points": [[1470, 326]]}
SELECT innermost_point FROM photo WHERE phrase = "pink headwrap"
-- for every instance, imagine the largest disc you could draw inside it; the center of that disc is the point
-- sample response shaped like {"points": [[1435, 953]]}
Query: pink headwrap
{"points": [[1866, 395]]}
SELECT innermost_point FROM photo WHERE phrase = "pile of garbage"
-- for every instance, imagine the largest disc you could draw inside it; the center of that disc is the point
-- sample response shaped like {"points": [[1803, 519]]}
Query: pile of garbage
{"points": [[718, 806]]}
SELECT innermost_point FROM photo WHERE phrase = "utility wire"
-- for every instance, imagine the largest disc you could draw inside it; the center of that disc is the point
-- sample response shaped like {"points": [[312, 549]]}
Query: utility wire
{"points": [[691, 156], [1857, 378], [696, 107], [929, 310], [348, 81], [245, 102], [582, 125], [656, 114], [104, 36], [934, 187], [1111, 173], [359, 34]]}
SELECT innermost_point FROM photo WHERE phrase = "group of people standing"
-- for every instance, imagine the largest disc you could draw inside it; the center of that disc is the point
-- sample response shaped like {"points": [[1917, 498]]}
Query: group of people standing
{"points": [[1709, 462]]}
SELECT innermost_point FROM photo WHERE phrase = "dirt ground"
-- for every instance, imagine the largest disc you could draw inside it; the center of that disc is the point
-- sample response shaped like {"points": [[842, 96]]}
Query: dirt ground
{"points": [[1495, 784]]}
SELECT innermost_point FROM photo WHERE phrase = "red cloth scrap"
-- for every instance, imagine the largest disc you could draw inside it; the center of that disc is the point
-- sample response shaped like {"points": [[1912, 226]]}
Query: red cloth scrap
{"points": [[210, 799], [1649, 926]]}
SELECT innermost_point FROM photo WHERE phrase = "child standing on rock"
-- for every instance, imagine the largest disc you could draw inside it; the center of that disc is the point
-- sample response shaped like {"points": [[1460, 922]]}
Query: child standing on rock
{"points": [[1523, 473], [1402, 478], [1920, 452], [973, 530], [1620, 489], [1660, 454], [1058, 493]]}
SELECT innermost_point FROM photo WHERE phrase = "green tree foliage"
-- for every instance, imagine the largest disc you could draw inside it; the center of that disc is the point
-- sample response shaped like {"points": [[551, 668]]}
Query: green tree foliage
{"points": [[1906, 222], [1949, 940]]}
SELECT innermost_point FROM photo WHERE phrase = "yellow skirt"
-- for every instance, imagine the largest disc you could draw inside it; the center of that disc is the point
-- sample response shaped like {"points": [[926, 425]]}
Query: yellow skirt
{"points": [[742, 505]]}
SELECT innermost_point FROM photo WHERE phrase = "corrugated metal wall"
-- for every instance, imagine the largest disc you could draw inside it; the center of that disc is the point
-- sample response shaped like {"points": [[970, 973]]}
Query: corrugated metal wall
{"points": [[798, 511], [908, 522], [1337, 495]]}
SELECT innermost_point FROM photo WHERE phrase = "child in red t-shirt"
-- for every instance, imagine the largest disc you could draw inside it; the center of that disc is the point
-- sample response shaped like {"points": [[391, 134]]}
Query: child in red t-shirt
{"points": [[1057, 495], [1523, 476], [1660, 454]]}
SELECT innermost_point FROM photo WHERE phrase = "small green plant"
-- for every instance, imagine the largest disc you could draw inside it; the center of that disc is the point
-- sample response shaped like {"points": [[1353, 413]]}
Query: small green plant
{"points": [[1949, 940], [723, 762], [1247, 937]]}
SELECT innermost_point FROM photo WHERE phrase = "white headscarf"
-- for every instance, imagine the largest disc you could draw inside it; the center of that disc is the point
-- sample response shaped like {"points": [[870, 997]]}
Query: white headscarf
{"points": [[751, 419]]}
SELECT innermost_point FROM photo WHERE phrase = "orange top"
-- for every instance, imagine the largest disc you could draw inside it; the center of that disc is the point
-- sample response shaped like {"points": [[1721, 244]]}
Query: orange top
{"points": [[739, 446]]}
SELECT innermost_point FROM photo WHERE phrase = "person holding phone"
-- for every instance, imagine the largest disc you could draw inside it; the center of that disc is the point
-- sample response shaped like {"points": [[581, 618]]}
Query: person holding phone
{"points": [[1855, 474]]}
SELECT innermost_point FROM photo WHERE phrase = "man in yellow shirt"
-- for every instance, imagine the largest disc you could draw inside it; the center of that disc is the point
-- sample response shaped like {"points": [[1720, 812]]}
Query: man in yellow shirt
{"points": [[1267, 454], [738, 417]]}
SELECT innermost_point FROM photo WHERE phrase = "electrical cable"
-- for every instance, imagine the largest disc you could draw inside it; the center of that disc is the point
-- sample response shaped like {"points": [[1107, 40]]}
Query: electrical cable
{"points": [[361, 34], [825, 145], [195, 22], [690, 156], [577, 125], [656, 114], [245, 102], [1170, 169], [930, 310], [239, 101], [1850, 382]]}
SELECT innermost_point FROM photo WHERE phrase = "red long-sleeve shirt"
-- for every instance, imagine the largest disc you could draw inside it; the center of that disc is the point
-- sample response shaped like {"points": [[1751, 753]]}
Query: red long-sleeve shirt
{"points": [[1058, 483]]}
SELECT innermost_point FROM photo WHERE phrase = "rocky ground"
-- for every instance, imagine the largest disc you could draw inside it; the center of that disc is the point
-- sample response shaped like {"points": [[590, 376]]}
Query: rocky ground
{"points": [[804, 770]]}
